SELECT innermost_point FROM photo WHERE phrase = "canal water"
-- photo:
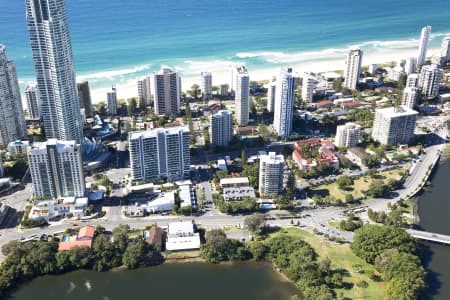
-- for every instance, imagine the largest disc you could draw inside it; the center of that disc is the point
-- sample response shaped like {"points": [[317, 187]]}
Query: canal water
{"points": [[434, 212], [196, 281]]}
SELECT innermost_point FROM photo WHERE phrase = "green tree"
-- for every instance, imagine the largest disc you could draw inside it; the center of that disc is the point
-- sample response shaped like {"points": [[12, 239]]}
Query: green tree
{"points": [[120, 237], [371, 240], [344, 182], [132, 104], [136, 254], [255, 223], [194, 92]]}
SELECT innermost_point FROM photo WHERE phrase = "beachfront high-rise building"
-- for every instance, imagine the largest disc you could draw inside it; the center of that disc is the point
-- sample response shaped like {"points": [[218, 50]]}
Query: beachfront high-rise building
{"points": [[112, 101], [221, 127], [308, 88], [56, 169], [206, 85], [394, 125], [410, 65], [409, 97], [32, 96], [224, 90], [412, 80], [429, 79], [167, 89], [84, 94], [12, 121], [55, 74], [160, 153], [242, 95], [271, 174], [271, 92], [284, 104], [347, 135], [144, 92], [423, 45], [353, 68], [445, 50]]}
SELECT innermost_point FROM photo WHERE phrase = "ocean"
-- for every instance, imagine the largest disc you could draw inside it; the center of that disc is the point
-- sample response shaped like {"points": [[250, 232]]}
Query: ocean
{"points": [[116, 41]]}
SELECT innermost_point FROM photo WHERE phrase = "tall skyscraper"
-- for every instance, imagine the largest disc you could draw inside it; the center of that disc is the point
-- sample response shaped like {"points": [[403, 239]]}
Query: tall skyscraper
{"points": [[221, 128], [347, 135], [33, 102], [308, 88], [206, 85], [271, 94], [160, 153], [394, 125], [429, 79], [353, 68], [167, 89], [445, 50], [84, 94], [271, 174], [12, 121], [144, 92], [55, 74], [284, 104], [423, 45], [112, 101], [409, 97], [242, 96], [56, 169]]}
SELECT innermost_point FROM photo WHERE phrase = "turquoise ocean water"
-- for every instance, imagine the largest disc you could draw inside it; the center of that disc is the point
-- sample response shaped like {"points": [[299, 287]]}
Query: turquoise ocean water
{"points": [[115, 40]]}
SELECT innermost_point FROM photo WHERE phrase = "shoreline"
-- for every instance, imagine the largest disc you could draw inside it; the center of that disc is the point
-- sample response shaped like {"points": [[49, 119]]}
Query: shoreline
{"points": [[222, 74]]}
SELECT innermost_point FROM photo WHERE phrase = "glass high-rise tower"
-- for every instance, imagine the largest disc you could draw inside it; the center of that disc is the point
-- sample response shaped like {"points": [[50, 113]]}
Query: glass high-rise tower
{"points": [[55, 74]]}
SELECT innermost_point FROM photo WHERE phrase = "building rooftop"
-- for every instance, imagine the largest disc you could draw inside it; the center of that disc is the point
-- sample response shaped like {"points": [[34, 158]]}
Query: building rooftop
{"points": [[397, 111], [272, 158], [61, 146], [154, 132], [235, 180]]}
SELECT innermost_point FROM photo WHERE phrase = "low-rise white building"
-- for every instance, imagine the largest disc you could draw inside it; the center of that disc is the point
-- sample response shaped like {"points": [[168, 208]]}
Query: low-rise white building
{"points": [[164, 202], [18, 148], [181, 236], [238, 193], [234, 182], [63, 207]]}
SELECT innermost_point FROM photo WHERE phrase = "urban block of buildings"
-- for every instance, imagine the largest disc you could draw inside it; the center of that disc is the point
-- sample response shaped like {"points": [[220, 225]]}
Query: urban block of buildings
{"points": [[160, 153], [347, 135], [271, 174], [221, 128], [284, 104], [167, 90], [242, 96], [309, 154]]}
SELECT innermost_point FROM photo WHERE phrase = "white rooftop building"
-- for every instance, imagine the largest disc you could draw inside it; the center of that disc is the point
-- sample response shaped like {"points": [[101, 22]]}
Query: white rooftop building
{"points": [[181, 236], [394, 125], [271, 174], [353, 68], [63, 207], [347, 135], [423, 45], [242, 96]]}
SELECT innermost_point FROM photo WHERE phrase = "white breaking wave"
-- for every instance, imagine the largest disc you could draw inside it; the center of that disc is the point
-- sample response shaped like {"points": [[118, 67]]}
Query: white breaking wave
{"points": [[114, 73]]}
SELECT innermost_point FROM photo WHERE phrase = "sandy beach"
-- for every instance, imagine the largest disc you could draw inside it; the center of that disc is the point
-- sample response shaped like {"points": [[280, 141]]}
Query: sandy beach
{"points": [[221, 71]]}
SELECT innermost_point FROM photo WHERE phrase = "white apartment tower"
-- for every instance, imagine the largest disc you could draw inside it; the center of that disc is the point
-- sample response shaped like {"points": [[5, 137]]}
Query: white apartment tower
{"points": [[32, 95], [56, 169], [55, 74], [160, 153], [423, 45], [221, 128], [429, 79], [242, 96], [410, 65], [144, 92], [284, 104], [206, 85], [347, 135], [445, 50], [167, 89], [412, 80], [353, 68], [271, 174], [394, 125], [271, 94], [409, 97], [12, 122], [308, 89], [112, 101]]}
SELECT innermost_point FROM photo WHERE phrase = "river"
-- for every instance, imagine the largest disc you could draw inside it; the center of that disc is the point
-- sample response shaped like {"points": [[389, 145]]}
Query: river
{"points": [[196, 281], [434, 208]]}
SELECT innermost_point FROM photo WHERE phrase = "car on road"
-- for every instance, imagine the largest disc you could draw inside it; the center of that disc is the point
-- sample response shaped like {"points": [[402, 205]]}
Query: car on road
{"points": [[74, 224]]}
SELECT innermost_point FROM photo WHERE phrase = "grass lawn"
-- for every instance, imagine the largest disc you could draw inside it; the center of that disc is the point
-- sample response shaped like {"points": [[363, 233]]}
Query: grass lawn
{"points": [[360, 185], [342, 257]]}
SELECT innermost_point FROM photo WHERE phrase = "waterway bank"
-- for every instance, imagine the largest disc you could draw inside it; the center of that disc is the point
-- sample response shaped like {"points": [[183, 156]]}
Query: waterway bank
{"points": [[433, 206]]}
